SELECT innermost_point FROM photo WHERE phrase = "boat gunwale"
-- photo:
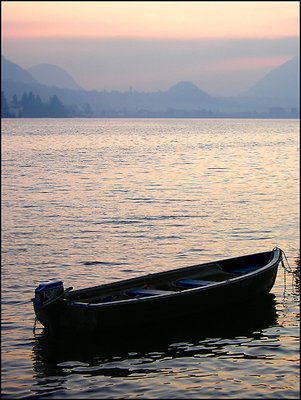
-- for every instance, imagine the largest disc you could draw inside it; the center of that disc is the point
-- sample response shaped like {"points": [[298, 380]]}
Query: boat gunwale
{"points": [[166, 272], [271, 264]]}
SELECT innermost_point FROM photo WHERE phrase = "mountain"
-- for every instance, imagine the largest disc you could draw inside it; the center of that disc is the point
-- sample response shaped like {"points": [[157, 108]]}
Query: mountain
{"points": [[52, 75], [187, 90], [281, 82], [278, 91], [14, 73], [186, 95]]}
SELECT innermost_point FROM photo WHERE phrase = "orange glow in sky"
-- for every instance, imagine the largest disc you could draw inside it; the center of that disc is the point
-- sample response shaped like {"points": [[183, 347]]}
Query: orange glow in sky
{"points": [[150, 45], [148, 19]]}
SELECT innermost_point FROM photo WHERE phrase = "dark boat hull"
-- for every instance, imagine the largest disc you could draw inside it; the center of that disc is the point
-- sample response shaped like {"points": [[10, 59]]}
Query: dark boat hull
{"points": [[77, 317]]}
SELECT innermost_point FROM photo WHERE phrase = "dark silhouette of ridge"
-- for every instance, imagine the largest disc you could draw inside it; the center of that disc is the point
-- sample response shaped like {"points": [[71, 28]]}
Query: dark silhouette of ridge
{"points": [[188, 90], [13, 72], [52, 75], [279, 91], [283, 81]]}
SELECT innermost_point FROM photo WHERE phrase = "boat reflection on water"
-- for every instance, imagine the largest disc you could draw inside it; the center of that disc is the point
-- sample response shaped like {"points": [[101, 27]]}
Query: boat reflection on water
{"points": [[248, 322]]}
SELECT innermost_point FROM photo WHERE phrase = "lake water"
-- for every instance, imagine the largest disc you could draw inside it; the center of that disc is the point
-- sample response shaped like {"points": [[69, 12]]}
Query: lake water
{"points": [[91, 201]]}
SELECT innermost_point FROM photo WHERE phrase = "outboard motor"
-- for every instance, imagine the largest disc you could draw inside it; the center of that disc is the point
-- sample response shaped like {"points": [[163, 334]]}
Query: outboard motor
{"points": [[48, 292]]}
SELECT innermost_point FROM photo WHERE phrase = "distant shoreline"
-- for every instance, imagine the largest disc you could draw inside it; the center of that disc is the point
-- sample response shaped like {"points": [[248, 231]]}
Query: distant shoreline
{"points": [[156, 117]]}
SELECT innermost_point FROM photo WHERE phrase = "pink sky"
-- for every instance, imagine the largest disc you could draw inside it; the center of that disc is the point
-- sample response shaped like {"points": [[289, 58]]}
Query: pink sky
{"points": [[151, 19], [63, 33]]}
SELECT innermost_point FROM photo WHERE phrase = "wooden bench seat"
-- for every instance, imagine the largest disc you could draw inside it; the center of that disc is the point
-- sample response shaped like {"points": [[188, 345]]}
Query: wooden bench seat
{"points": [[245, 269], [192, 283], [140, 292]]}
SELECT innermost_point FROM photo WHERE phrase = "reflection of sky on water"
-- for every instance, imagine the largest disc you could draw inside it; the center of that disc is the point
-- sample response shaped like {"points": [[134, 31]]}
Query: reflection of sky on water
{"points": [[94, 201]]}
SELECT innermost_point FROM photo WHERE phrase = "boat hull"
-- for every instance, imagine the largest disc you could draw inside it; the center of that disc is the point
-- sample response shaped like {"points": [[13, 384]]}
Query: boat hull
{"points": [[77, 318]]}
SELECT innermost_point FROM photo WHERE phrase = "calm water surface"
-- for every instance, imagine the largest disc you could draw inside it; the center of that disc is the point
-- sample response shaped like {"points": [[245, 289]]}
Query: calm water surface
{"points": [[91, 201]]}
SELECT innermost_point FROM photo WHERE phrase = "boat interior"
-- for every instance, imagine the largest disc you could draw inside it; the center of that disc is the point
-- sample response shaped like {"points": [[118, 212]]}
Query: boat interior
{"points": [[163, 283]]}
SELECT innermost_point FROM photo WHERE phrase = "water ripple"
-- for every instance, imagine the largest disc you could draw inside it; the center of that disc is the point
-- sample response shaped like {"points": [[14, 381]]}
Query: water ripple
{"points": [[97, 200]]}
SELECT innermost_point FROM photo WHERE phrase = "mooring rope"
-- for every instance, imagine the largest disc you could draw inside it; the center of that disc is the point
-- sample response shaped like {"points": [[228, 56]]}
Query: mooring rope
{"points": [[287, 269], [34, 326]]}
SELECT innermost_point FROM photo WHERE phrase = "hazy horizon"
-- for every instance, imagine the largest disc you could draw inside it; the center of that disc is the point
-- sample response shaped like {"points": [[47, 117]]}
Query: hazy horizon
{"points": [[222, 47]]}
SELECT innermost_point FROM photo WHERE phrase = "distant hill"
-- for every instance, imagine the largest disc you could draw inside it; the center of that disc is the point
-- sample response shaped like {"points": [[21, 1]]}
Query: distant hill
{"points": [[13, 72], [279, 89], [52, 75], [281, 82], [186, 95], [187, 90]]}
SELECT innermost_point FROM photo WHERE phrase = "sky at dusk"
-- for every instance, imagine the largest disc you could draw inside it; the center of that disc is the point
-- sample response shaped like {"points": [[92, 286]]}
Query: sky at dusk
{"points": [[223, 47]]}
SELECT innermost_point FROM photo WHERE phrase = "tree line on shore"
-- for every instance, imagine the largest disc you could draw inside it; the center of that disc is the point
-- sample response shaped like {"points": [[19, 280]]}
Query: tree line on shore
{"points": [[31, 106]]}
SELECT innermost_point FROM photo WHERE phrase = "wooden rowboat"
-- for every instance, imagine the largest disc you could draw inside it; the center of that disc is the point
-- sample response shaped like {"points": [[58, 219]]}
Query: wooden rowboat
{"points": [[194, 290]]}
